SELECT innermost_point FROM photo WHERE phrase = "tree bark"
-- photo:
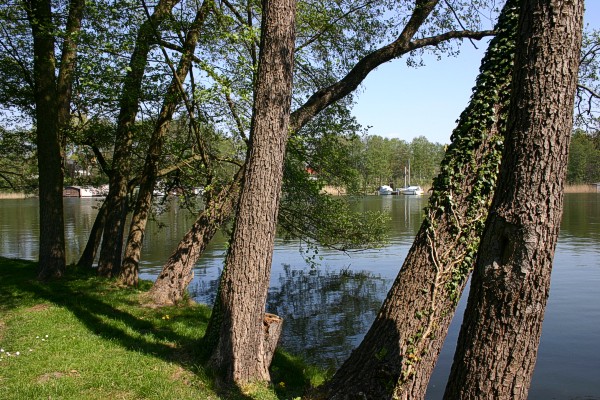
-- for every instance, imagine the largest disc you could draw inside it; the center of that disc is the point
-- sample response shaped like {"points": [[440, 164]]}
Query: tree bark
{"points": [[171, 285], [52, 239], [498, 342], [129, 269], [112, 240], [398, 354], [89, 253], [66, 75], [242, 351]]}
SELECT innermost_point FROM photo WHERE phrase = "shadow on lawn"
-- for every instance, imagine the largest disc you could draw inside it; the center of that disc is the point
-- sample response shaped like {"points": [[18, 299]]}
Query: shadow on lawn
{"points": [[80, 293]]}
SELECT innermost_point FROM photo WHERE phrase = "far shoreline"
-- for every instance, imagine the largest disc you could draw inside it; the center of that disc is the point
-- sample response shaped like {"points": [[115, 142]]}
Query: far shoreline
{"points": [[331, 190], [583, 188]]}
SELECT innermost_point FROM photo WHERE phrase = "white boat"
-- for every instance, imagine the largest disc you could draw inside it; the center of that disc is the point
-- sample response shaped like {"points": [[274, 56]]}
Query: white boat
{"points": [[412, 190], [385, 190], [86, 191]]}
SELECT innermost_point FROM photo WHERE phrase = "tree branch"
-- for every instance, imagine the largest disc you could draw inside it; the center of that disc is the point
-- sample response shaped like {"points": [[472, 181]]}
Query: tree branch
{"points": [[236, 117], [329, 95], [100, 157], [8, 180], [591, 91]]}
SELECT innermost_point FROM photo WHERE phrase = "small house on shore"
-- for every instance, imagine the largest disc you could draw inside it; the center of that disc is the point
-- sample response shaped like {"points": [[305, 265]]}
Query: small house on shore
{"points": [[595, 186], [77, 191]]}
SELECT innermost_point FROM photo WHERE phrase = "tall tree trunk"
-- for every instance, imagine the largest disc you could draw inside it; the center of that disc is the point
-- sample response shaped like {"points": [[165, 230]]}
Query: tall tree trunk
{"points": [[498, 342], [243, 349], [112, 240], [52, 238], [399, 352], [129, 270], [52, 113], [66, 75], [171, 285], [89, 253]]}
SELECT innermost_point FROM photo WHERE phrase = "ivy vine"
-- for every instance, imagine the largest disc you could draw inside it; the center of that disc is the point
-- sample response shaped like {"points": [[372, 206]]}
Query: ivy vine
{"points": [[463, 190]]}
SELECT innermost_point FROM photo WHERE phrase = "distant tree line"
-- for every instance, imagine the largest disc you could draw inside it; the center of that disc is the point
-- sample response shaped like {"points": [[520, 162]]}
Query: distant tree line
{"points": [[584, 158], [360, 164], [377, 161]]}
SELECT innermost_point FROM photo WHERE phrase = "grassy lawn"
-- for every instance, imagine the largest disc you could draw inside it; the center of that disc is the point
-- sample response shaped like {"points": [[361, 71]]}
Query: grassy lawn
{"points": [[87, 338]]}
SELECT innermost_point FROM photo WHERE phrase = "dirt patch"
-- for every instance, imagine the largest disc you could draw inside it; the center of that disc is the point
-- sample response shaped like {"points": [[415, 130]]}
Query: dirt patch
{"points": [[49, 376], [181, 375], [56, 375], [38, 307]]}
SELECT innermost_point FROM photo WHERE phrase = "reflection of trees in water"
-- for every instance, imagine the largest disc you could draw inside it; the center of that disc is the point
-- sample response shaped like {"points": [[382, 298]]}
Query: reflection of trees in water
{"points": [[203, 289], [326, 313]]}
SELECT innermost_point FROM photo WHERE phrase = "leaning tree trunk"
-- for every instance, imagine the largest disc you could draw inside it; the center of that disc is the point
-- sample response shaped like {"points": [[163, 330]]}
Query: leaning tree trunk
{"points": [[244, 345], [398, 354], [133, 249], [498, 342], [89, 253], [171, 285], [52, 238], [112, 240]]}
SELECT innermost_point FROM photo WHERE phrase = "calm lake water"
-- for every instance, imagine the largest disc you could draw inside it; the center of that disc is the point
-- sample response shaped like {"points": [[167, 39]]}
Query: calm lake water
{"points": [[328, 310]]}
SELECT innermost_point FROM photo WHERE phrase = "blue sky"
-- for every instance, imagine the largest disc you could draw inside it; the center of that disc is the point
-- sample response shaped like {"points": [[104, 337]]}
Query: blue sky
{"points": [[402, 102]]}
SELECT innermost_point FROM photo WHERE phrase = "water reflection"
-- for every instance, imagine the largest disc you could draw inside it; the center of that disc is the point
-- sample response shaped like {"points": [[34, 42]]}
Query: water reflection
{"points": [[326, 313]]}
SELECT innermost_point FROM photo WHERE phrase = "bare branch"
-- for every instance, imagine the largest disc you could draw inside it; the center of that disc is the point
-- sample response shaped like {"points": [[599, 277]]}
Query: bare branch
{"points": [[236, 117], [590, 91]]}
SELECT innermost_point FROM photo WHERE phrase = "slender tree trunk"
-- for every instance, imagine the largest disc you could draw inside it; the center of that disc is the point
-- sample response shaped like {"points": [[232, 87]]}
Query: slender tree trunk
{"points": [[89, 253], [171, 285], [129, 270], [52, 239], [66, 74], [244, 349], [498, 342], [398, 354], [112, 241]]}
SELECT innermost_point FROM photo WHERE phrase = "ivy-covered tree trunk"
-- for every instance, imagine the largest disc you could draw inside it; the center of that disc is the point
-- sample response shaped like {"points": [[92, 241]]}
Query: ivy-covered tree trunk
{"points": [[129, 269], [498, 342], [112, 240], [398, 354], [171, 284], [244, 345]]}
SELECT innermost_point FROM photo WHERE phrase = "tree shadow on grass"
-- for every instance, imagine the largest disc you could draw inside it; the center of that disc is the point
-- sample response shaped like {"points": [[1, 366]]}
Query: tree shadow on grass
{"points": [[79, 293]]}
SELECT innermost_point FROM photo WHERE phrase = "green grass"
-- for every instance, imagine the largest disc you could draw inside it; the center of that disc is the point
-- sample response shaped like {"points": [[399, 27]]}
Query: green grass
{"points": [[84, 337]]}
